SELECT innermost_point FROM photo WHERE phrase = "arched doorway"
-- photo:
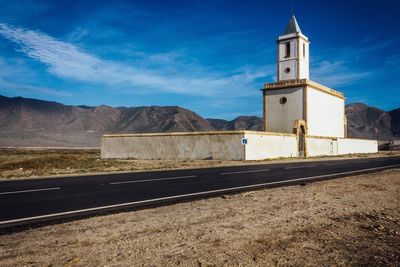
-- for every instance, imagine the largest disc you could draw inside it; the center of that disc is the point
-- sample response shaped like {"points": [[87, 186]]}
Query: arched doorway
{"points": [[302, 142], [300, 129]]}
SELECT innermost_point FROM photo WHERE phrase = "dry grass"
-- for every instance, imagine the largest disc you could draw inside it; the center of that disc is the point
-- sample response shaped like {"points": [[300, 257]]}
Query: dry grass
{"points": [[36, 163], [352, 221], [18, 163]]}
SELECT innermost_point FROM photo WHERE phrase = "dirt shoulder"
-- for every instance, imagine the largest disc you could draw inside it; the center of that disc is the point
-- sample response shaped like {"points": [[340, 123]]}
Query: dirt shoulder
{"points": [[29, 163], [353, 221]]}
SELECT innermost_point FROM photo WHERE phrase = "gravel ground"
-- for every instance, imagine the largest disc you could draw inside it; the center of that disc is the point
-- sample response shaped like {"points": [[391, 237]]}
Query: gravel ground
{"points": [[352, 221]]}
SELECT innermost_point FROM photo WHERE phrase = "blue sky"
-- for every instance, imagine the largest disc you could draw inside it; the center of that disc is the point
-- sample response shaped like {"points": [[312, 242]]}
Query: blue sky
{"points": [[209, 56]]}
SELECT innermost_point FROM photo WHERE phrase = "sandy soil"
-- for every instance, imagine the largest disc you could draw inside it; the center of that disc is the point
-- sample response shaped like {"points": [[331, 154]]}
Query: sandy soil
{"points": [[29, 163], [353, 221]]}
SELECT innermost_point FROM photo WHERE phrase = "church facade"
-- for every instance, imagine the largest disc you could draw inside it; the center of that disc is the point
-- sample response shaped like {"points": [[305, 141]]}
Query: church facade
{"points": [[295, 98], [300, 118], [295, 103]]}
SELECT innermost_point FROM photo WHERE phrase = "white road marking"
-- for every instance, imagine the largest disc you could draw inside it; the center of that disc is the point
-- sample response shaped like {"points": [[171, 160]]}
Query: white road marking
{"points": [[154, 180], [261, 170], [31, 190], [335, 164], [193, 194], [299, 167]]}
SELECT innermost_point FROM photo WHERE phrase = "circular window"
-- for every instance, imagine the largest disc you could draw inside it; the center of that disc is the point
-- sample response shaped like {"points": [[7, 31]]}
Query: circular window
{"points": [[287, 70], [283, 100]]}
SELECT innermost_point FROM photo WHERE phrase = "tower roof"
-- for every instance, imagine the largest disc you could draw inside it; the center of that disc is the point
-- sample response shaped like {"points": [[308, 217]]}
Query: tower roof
{"points": [[293, 26]]}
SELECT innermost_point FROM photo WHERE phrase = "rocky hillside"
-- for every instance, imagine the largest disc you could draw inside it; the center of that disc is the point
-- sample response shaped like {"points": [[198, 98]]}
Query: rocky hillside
{"points": [[240, 123], [31, 122], [395, 121], [369, 122]]}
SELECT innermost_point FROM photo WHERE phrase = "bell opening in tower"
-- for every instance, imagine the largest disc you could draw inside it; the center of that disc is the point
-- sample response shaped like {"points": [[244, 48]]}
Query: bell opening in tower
{"points": [[287, 54]]}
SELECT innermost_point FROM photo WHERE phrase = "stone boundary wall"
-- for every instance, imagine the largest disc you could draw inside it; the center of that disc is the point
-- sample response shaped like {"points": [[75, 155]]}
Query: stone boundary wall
{"points": [[227, 145], [331, 146], [274, 145], [222, 145], [354, 146], [195, 145], [316, 146]]}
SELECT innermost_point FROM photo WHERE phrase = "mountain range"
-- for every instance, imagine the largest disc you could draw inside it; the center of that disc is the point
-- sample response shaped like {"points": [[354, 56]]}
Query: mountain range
{"points": [[33, 122]]}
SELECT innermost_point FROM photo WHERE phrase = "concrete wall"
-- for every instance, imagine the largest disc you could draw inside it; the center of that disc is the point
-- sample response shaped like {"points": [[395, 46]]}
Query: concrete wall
{"points": [[352, 146], [280, 117], [200, 145], [211, 145], [226, 145], [270, 145], [325, 114], [321, 146]]}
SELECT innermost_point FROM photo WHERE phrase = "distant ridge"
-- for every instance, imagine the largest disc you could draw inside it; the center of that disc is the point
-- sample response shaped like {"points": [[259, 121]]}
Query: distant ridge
{"points": [[33, 122], [240, 123], [369, 122]]}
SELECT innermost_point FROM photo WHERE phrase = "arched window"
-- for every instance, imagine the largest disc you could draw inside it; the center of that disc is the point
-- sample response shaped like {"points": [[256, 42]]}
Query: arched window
{"points": [[304, 50], [287, 50]]}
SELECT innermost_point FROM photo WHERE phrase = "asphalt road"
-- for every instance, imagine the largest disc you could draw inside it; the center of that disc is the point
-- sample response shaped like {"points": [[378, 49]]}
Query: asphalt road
{"points": [[39, 200]]}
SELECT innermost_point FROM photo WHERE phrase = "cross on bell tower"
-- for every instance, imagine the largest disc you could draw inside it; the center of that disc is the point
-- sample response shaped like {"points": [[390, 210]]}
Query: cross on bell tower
{"points": [[293, 53]]}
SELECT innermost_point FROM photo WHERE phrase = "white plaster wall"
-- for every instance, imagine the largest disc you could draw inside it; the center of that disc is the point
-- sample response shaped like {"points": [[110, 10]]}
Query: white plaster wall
{"points": [[325, 114], [261, 146], [304, 69], [292, 65], [282, 49], [280, 117], [353, 146], [321, 147], [288, 62], [216, 146], [340, 146]]}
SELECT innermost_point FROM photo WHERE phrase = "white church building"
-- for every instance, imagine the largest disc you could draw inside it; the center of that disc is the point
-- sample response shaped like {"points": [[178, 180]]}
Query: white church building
{"points": [[301, 118]]}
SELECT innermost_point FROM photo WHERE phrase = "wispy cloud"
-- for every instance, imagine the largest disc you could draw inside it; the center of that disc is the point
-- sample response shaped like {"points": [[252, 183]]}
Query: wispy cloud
{"points": [[372, 45], [339, 66], [336, 73], [69, 61], [78, 34], [393, 61]]}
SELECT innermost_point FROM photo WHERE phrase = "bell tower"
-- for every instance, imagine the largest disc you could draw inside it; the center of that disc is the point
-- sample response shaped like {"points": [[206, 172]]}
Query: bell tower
{"points": [[293, 53]]}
